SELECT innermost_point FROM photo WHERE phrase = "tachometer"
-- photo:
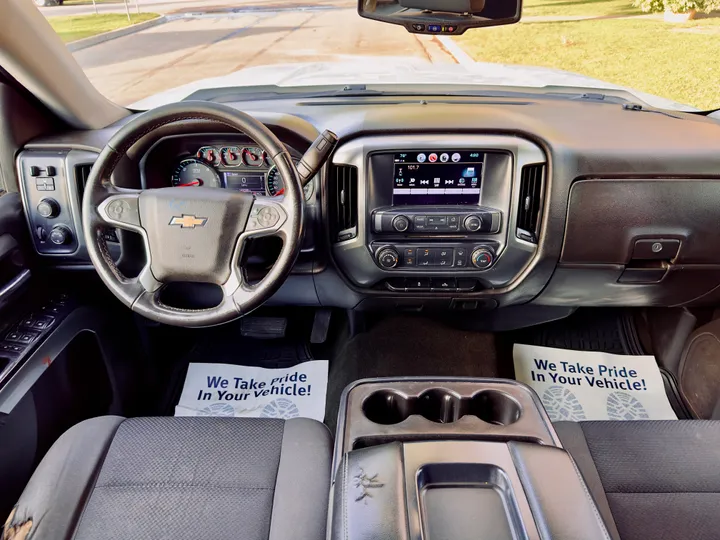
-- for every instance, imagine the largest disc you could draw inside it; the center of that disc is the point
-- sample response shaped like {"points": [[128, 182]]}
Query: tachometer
{"points": [[192, 172], [254, 157]]}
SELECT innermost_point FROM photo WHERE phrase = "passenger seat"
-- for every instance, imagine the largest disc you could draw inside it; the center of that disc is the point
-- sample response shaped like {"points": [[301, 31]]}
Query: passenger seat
{"points": [[651, 479]]}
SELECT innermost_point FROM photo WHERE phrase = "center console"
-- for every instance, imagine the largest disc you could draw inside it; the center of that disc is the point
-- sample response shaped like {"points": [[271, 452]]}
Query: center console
{"points": [[439, 213], [453, 459]]}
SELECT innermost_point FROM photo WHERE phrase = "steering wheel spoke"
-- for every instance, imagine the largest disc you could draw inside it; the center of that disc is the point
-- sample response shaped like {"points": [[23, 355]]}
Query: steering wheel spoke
{"points": [[121, 209]]}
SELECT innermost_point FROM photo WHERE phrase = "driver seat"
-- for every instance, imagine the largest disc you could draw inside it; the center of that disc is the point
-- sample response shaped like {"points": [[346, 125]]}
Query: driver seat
{"points": [[180, 478]]}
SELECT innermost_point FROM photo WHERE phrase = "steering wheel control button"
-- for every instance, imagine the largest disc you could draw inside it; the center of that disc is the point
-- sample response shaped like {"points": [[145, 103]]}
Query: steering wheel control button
{"points": [[123, 210], [388, 257], [482, 258], [472, 223], [268, 217], [401, 224], [48, 208], [656, 249], [60, 235]]}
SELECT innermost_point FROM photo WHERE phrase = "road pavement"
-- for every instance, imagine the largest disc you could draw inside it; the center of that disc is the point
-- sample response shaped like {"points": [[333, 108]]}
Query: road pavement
{"points": [[190, 48]]}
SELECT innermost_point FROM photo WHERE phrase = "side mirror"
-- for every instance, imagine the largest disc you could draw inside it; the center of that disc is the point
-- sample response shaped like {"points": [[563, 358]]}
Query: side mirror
{"points": [[452, 17]]}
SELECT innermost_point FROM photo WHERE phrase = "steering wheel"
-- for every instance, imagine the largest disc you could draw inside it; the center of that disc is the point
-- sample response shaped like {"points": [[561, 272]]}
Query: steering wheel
{"points": [[192, 234]]}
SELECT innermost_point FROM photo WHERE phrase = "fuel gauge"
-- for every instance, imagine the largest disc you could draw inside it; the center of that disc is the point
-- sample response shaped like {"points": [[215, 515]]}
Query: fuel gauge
{"points": [[209, 154], [231, 156]]}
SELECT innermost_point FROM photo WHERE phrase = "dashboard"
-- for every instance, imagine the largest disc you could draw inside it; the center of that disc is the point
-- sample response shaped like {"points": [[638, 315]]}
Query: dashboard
{"points": [[466, 204]]}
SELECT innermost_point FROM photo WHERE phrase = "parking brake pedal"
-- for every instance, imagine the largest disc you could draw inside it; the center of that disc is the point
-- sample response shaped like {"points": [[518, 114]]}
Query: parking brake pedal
{"points": [[263, 327]]}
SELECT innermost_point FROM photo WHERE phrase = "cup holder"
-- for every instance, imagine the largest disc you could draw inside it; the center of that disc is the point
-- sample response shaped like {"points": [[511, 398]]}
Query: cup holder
{"points": [[440, 406], [495, 407], [387, 407]]}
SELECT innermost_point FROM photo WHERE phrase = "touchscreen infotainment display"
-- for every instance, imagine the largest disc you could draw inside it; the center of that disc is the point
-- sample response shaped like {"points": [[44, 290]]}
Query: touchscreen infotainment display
{"points": [[438, 177]]}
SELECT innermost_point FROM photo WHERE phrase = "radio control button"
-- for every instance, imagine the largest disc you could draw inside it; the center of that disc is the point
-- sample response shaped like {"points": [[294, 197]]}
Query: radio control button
{"points": [[419, 223], [437, 220], [472, 223], [401, 223]]}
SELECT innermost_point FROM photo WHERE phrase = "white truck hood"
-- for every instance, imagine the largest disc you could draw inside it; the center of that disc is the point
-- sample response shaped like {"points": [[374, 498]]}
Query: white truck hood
{"points": [[377, 70]]}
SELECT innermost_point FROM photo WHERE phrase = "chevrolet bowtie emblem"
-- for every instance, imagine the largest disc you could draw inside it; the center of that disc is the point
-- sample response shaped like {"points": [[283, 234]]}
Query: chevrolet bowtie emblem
{"points": [[188, 222]]}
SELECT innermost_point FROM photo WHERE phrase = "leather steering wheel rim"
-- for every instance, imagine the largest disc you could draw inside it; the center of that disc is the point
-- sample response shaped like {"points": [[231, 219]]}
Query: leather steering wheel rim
{"points": [[238, 217]]}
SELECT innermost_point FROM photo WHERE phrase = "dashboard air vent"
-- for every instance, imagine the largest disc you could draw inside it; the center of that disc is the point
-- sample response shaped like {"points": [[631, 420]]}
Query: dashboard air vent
{"points": [[82, 172], [342, 202], [531, 193]]}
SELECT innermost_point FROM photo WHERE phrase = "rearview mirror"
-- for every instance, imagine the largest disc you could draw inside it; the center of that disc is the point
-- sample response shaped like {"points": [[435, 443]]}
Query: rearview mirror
{"points": [[441, 16]]}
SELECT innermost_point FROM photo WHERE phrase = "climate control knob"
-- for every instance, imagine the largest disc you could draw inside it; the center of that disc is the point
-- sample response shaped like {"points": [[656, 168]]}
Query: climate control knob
{"points": [[48, 208], [388, 257], [482, 258], [401, 223], [60, 235], [472, 223]]}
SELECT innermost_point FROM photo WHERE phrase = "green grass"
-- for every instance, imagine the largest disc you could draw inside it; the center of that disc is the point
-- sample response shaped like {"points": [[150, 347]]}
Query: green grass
{"points": [[81, 26], [675, 61], [573, 8]]}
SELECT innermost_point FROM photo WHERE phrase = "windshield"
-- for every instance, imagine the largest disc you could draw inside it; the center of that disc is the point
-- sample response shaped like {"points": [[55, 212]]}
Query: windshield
{"points": [[146, 52]]}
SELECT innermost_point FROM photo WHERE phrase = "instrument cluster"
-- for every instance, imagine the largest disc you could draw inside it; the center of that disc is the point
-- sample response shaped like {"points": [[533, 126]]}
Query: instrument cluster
{"points": [[242, 168]]}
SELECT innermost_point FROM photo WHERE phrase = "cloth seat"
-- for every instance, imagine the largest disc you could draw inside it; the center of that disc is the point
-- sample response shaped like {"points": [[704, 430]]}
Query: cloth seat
{"points": [[650, 479], [180, 478]]}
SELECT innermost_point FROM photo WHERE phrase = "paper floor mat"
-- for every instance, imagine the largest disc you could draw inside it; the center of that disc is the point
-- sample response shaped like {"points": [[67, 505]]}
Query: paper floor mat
{"points": [[232, 390], [585, 385]]}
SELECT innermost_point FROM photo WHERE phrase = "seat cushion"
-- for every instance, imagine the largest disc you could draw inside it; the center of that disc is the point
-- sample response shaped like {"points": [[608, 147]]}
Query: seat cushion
{"points": [[182, 478], [659, 479]]}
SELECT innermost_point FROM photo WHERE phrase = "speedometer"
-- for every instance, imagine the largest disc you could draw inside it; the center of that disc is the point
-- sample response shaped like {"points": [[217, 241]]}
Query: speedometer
{"points": [[192, 172], [274, 184]]}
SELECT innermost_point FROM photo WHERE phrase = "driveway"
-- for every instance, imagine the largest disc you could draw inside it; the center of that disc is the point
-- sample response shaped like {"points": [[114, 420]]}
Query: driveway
{"points": [[199, 46]]}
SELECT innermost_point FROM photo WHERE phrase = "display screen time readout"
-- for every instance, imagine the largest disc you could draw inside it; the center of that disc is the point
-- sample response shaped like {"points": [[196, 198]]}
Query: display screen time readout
{"points": [[437, 178]]}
